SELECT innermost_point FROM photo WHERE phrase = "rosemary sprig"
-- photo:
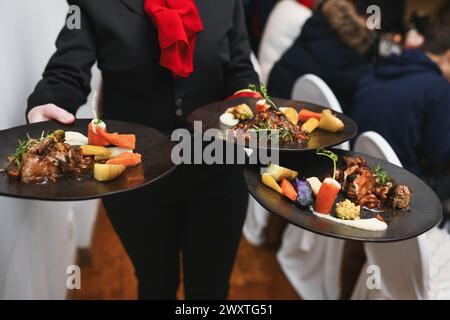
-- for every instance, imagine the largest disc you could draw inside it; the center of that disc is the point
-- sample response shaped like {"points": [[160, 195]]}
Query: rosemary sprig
{"points": [[263, 91], [381, 175], [23, 147], [334, 157], [284, 134]]}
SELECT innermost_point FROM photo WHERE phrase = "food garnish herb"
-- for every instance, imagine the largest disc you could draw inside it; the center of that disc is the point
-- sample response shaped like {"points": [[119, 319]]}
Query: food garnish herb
{"points": [[29, 142], [334, 157], [381, 175]]}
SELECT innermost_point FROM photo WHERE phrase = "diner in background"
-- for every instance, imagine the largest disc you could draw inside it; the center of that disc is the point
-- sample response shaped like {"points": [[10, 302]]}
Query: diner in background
{"points": [[407, 100], [334, 44]]}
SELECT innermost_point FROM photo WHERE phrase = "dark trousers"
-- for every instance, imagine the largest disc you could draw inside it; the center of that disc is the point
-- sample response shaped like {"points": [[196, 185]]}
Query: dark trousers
{"points": [[194, 216]]}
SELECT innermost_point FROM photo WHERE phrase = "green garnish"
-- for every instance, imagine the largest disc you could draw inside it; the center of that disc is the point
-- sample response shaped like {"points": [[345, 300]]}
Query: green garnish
{"points": [[263, 91], [334, 157], [381, 175], [29, 142], [284, 134]]}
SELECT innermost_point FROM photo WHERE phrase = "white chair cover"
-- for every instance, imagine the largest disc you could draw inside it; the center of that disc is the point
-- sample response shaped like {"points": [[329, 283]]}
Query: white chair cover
{"points": [[417, 268], [283, 27], [313, 89], [310, 261], [38, 239]]}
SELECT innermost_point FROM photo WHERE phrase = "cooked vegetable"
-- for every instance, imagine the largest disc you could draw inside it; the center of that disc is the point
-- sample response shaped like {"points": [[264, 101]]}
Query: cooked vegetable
{"points": [[330, 122], [310, 125], [304, 193], [347, 210], [241, 112], [327, 195], [127, 159], [58, 135], [76, 139], [305, 114], [127, 141], [89, 150], [262, 106], [107, 172], [291, 114], [315, 184], [279, 172], [115, 151], [288, 189], [269, 181], [263, 91], [94, 129]]}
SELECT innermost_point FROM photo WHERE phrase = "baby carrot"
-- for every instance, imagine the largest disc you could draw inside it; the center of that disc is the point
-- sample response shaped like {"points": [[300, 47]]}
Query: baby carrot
{"points": [[305, 114]]}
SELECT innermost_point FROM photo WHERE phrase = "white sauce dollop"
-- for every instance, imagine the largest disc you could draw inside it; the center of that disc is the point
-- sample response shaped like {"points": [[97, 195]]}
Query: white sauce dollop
{"points": [[372, 224], [228, 119], [96, 123]]}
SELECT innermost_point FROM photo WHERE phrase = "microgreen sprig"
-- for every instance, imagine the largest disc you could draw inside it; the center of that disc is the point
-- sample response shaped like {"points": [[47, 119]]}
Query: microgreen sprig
{"points": [[334, 157], [263, 91]]}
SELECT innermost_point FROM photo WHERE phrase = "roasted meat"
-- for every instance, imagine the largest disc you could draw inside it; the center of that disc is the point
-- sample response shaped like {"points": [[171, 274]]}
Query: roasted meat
{"points": [[401, 197], [270, 120], [364, 187], [50, 158]]}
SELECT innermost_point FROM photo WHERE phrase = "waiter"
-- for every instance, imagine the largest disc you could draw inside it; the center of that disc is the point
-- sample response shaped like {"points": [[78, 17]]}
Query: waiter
{"points": [[161, 59]]}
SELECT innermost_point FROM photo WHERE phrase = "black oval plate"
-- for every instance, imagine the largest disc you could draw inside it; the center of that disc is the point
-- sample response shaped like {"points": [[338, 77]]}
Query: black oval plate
{"points": [[154, 146], [425, 211], [209, 116]]}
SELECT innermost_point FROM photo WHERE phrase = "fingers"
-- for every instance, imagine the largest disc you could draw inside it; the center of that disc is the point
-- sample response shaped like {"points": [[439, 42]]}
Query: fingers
{"points": [[50, 112]]}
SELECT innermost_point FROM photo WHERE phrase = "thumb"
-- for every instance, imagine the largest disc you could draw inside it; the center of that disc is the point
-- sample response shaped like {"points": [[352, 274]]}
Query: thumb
{"points": [[58, 114]]}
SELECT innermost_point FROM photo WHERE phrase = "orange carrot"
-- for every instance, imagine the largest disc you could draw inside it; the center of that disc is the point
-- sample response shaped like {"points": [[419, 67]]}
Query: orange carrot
{"points": [[327, 195], [305, 114], [127, 141], [127, 159], [288, 189], [94, 138]]}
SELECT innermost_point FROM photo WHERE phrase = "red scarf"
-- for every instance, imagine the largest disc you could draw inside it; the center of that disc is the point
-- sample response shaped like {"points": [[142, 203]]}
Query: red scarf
{"points": [[307, 3], [178, 23]]}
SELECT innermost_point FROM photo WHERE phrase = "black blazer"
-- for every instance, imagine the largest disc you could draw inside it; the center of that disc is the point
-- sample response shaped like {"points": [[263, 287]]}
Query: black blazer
{"points": [[120, 37]]}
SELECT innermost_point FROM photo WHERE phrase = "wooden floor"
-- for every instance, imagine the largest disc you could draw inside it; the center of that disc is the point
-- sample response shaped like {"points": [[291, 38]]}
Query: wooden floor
{"points": [[109, 273]]}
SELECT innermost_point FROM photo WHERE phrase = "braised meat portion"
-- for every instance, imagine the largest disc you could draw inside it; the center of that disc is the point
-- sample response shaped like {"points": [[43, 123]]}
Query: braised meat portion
{"points": [[370, 188], [270, 120], [48, 159]]}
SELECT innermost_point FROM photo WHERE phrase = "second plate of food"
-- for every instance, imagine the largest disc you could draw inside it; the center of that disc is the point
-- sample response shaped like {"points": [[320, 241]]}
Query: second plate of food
{"points": [[87, 160], [363, 199], [301, 126]]}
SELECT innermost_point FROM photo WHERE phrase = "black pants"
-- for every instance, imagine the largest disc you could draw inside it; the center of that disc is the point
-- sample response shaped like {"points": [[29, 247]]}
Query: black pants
{"points": [[195, 215]]}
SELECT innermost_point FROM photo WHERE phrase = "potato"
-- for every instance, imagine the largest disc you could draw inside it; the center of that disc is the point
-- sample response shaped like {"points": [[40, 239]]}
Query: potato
{"points": [[292, 115], [310, 125], [269, 181], [279, 172], [107, 172], [329, 122], [89, 150], [315, 184]]}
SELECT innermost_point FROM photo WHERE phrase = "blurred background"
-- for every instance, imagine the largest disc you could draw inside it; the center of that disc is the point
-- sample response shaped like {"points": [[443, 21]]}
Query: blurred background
{"points": [[39, 240]]}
